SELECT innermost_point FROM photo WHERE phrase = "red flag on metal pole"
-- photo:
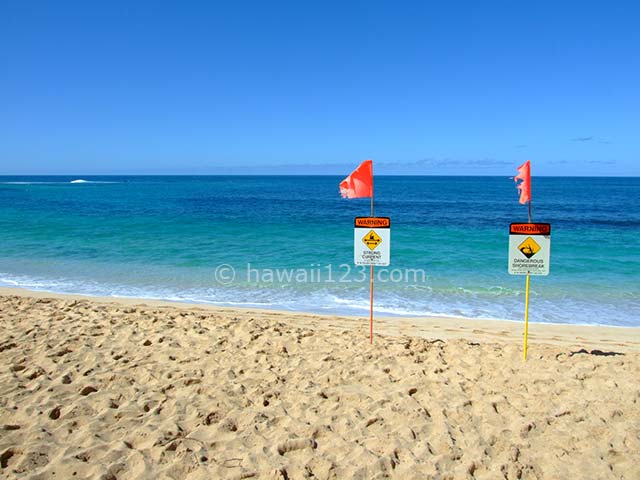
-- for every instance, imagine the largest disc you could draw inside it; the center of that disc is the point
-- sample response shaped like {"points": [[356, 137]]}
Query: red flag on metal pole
{"points": [[357, 185]]}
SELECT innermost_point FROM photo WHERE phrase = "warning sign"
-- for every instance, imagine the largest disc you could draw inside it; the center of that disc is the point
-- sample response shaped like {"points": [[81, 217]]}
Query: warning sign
{"points": [[529, 248], [372, 241]]}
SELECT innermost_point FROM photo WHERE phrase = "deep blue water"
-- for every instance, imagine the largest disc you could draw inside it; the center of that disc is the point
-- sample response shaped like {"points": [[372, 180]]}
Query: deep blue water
{"points": [[164, 237]]}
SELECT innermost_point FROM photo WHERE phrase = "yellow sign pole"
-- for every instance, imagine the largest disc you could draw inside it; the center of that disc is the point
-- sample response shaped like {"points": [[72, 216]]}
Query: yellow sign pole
{"points": [[526, 318], [526, 299]]}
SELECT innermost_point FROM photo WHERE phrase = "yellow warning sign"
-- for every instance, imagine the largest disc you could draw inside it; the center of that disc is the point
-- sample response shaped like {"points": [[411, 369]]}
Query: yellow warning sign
{"points": [[529, 247], [372, 240]]}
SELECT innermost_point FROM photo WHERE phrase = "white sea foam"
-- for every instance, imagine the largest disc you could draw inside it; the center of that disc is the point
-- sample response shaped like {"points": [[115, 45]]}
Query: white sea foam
{"points": [[343, 302], [80, 181]]}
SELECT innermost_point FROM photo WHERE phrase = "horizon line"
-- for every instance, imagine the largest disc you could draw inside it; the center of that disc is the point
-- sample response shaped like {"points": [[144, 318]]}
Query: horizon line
{"points": [[80, 175]]}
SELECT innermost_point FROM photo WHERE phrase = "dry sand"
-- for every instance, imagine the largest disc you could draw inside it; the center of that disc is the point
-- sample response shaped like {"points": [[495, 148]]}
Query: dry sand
{"points": [[113, 389]]}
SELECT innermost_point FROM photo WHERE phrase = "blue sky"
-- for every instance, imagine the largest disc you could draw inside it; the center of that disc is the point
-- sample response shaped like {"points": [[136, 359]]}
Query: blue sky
{"points": [[432, 88]]}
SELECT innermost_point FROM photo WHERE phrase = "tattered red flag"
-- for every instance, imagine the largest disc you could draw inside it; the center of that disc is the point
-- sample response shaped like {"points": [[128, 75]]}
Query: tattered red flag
{"points": [[524, 187], [359, 183]]}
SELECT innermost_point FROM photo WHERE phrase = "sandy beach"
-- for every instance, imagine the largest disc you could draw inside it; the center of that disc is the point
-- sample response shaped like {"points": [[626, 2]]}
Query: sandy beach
{"points": [[120, 388]]}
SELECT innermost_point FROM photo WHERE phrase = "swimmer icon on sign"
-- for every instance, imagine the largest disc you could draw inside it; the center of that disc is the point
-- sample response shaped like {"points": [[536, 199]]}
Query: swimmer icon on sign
{"points": [[529, 247], [372, 240]]}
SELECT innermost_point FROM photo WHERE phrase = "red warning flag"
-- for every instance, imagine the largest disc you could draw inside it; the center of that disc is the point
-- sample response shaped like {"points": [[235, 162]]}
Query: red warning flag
{"points": [[359, 183], [524, 187]]}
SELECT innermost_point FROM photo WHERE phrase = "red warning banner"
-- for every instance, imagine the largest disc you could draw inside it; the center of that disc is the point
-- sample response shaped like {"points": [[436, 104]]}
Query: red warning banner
{"points": [[530, 229], [373, 222]]}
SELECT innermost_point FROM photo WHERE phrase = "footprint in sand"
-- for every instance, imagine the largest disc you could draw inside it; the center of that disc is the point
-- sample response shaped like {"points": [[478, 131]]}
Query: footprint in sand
{"points": [[6, 456], [297, 444], [87, 390], [55, 413]]}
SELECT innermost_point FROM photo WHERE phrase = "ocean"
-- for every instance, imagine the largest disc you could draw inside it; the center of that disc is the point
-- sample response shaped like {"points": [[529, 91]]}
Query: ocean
{"points": [[286, 242]]}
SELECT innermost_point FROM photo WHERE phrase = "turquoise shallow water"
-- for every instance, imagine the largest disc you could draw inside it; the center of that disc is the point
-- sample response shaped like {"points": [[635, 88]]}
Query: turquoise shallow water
{"points": [[287, 243]]}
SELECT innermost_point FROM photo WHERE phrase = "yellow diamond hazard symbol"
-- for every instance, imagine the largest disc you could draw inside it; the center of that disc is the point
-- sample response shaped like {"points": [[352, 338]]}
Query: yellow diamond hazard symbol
{"points": [[529, 247], [372, 240]]}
